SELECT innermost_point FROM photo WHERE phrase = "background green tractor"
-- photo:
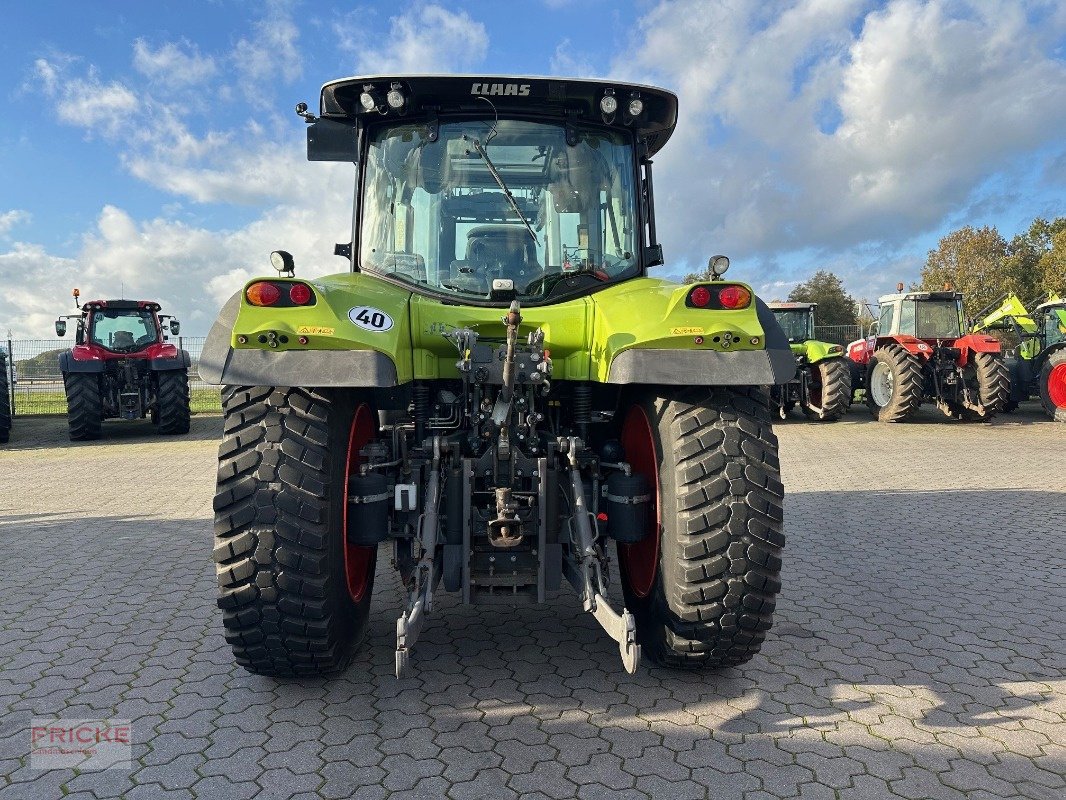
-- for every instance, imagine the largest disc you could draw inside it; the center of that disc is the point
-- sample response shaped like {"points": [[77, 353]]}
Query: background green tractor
{"points": [[822, 386], [1038, 364], [496, 390]]}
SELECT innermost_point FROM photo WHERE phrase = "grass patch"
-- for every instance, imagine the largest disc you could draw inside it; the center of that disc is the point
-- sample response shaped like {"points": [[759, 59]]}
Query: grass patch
{"points": [[201, 400]]}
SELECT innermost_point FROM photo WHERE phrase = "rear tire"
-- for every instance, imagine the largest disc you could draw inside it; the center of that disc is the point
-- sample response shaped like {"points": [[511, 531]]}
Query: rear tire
{"points": [[703, 584], [987, 373], [85, 405], [5, 404], [172, 401], [292, 603], [893, 384], [830, 390], [1053, 386]]}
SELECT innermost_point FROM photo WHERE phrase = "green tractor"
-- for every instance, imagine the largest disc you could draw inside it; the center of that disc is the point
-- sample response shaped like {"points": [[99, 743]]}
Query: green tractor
{"points": [[822, 386], [495, 390], [1038, 366]]}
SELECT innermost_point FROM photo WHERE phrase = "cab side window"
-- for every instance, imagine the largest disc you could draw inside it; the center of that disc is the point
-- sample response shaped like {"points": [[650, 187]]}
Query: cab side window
{"points": [[887, 316]]}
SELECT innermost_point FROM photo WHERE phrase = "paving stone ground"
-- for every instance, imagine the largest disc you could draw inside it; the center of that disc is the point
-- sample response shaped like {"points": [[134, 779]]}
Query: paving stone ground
{"points": [[918, 650]]}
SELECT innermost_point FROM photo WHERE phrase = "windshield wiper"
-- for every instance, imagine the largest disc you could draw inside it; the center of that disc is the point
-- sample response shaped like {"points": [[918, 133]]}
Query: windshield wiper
{"points": [[506, 192]]}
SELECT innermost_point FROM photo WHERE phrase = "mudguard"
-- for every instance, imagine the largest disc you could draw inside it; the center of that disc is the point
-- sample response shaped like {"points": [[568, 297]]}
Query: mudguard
{"points": [[67, 363], [180, 361], [816, 351], [364, 331], [976, 343]]}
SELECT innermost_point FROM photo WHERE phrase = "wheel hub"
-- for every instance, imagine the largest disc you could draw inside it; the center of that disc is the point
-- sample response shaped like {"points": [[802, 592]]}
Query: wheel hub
{"points": [[357, 558], [882, 384], [640, 562], [1056, 385]]}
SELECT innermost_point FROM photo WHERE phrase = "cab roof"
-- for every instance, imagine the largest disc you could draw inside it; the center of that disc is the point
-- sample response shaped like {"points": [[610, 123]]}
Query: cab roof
{"points": [[892, 298], [121, 305], [564, 99]]}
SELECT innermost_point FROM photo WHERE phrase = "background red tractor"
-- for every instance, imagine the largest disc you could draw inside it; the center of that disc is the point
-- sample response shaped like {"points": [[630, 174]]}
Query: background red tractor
{"points": [[917, 353], [121, 366]]}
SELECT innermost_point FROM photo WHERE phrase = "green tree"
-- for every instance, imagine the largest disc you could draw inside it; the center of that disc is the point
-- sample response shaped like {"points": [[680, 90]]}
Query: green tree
{"points": [[1052, 264], [835, 305], [1025, 264], [972, 261]]}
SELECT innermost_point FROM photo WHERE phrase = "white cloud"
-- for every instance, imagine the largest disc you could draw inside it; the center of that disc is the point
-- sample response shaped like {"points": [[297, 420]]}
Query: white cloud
{"points": [[429, 38], [36, 289], [172, 63], [567, 61], [86, 102], [823, 125], [11, 219], [271, 51]]}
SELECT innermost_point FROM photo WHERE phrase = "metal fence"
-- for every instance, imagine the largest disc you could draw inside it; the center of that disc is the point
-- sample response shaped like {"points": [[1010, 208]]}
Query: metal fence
{"points": [[36, 383], [838, 334]]}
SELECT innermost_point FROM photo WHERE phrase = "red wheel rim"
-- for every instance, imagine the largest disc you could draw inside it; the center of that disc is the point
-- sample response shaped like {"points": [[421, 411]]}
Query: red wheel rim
{"points": [[357, 558], [1056, 385], [640, 562]]}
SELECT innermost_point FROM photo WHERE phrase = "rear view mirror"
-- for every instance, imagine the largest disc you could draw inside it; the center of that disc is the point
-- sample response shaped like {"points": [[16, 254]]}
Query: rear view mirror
{"points": [[61, 327], [329, 140], [175, 327]]}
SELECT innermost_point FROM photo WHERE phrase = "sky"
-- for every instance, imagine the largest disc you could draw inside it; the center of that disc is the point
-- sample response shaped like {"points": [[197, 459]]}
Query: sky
{"points": [[150, 150]]}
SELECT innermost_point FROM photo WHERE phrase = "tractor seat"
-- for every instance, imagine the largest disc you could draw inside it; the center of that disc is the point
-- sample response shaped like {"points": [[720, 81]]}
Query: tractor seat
{"points": [[122, 340]]}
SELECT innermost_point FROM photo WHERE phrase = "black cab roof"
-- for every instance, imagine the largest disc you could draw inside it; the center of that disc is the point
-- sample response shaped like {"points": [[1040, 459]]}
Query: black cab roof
{"points": [[562, 98]]}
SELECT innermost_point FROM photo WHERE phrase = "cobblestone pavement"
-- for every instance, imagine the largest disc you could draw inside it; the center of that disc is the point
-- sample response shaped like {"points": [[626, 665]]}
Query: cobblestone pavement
{"points": [[918, 650]]}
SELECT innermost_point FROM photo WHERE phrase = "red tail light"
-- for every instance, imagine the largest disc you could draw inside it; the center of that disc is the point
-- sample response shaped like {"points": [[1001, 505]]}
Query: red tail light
{"points": [[700, 296], [734, 297], [263, 293], [300, 294]]}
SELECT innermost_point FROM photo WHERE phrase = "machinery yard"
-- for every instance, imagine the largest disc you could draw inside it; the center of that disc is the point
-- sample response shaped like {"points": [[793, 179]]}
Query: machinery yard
{"points": [[917, 647]]}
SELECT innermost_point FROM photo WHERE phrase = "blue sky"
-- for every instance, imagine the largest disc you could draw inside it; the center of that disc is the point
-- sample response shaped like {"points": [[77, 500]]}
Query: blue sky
{"points": [[153, 147]]}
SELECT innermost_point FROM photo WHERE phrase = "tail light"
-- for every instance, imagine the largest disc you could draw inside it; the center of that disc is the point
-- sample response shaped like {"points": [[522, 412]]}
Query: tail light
{"points": [[280, 294], [263, 293], [734, 297], [300, 294], [717, 297], [700, 296]]}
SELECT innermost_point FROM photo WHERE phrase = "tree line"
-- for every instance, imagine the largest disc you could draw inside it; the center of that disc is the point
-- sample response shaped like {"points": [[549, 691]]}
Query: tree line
{"points": [[978, 262], [983, 265]]}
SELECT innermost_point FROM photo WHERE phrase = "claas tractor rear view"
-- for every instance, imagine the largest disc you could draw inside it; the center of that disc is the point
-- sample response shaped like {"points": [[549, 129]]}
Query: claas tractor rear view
{"points": [[122, 367], [822, 386], [494, 395], [918, 353], [1037, 366]]}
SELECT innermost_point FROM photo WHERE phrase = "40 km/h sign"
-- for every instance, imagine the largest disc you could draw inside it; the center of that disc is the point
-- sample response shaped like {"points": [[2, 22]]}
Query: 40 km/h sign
{"points": [[370, 319]]}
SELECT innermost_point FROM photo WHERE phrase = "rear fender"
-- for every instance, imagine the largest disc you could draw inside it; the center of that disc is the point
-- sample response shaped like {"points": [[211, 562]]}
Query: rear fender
{"points": [[859, 351], [89, 361], [645, 333], [916, 347], [820, 351], [318, 345], [976, 343]]}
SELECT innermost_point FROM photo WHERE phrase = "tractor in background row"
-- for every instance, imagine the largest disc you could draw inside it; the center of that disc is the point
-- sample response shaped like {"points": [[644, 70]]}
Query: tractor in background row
{"points": [[1038, 366], [917, 352], [822, 386], [121, 366], [5, 400]]}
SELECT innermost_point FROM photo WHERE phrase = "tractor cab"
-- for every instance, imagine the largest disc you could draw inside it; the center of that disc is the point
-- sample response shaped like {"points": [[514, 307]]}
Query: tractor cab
{"points": [[796, 320], [120, 327], [480, 191], [1050, 318], [930, 316]]}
